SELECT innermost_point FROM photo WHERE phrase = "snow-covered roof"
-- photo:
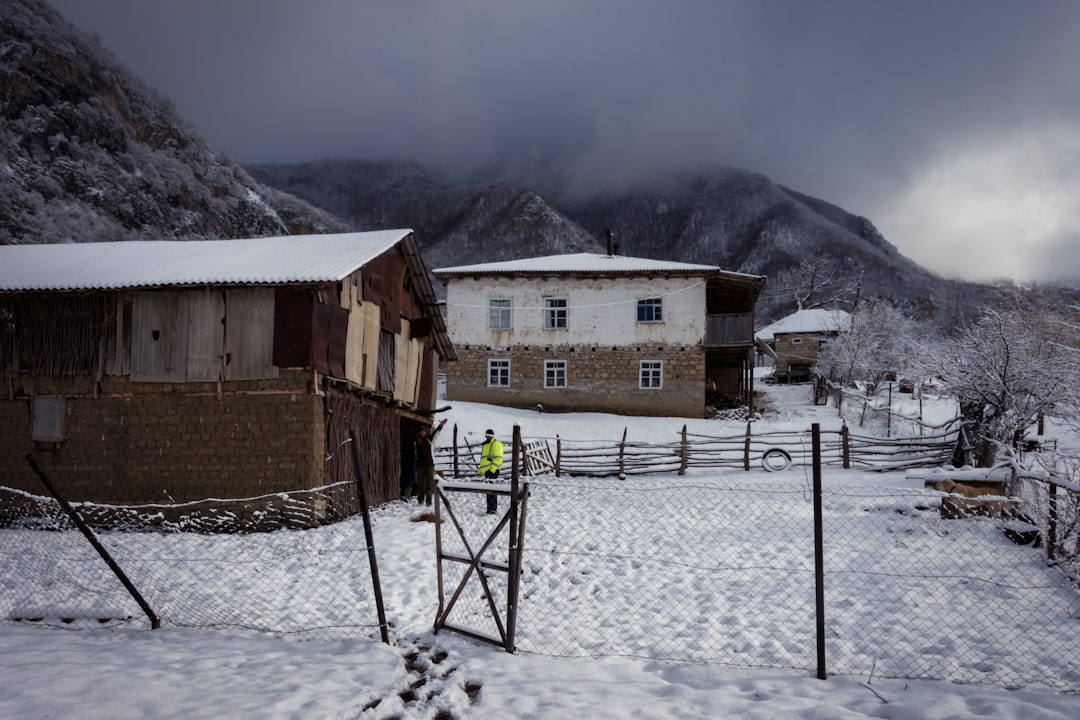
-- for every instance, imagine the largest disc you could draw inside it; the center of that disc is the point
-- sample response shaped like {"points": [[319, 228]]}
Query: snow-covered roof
{"points": [[806, 321], [156, 263], [582, 264]]}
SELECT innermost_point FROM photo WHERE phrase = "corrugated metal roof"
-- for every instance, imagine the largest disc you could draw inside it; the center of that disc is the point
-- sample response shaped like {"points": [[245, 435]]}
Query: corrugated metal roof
{"points": [[806, 321], [258, 261], [578, 263]]}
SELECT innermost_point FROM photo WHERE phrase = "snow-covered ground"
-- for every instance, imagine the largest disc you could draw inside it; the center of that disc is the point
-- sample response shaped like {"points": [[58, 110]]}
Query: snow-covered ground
{"points": [[181, 672]]}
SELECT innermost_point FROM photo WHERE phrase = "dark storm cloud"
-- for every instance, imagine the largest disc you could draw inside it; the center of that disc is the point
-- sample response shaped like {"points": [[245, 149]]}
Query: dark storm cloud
{"points": [[867, 104]]}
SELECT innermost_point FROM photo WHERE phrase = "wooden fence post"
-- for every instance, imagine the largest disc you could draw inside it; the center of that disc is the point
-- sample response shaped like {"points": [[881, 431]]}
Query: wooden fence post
{"points": [[1051, 523], [558, 456], [746, 449], [457, 469], [888, 415], [845, 447], [683, 453], [622, 453]]}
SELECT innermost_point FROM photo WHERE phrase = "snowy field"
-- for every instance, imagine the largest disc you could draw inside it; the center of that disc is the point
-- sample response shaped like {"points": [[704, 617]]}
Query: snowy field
{"points": [[594, 566]]}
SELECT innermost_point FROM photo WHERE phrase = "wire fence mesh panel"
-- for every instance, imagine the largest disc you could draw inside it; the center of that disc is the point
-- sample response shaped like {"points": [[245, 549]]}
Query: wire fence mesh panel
{"points": [[673, 570], [912, 594], [1053, 508], [474, 563], [301, 583], [720, 569]]}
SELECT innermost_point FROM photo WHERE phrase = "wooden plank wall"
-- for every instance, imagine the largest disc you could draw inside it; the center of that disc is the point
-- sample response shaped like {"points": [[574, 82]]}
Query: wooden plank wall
{"points": [[206, 335], [159, 337], [249, 334]]}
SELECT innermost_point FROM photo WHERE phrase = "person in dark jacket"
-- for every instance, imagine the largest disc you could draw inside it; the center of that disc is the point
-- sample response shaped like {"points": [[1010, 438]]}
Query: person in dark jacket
{"points": [[425, 462]]}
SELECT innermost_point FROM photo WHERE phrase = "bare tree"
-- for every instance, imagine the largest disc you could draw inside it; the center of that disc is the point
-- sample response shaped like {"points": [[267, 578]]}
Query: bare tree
{"points": [[819, 281]]}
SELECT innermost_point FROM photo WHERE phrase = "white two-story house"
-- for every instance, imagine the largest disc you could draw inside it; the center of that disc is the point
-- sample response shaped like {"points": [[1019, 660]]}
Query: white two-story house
{"points": [[602, 333]]}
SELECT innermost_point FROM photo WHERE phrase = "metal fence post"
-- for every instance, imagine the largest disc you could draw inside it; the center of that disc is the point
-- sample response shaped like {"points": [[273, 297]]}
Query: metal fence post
{"points": [[155, 621], [514, 556], [369, 538], [819, 552]]}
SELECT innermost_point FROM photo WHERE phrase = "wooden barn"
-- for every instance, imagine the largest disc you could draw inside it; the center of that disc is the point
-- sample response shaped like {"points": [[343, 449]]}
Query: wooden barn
{"points": [[166, 373]]}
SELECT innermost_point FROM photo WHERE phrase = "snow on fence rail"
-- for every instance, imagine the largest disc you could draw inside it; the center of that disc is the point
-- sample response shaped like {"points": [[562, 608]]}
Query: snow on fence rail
{"points": [[620, 458]]}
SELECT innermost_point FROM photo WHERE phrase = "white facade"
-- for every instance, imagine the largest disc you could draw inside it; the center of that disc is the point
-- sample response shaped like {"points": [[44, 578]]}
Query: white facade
{"points": [[598, 311]]}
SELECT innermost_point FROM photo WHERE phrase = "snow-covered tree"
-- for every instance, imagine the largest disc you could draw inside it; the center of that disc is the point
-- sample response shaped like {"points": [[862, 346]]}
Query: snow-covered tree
{"points": [[879, 340], [1013, 366]]}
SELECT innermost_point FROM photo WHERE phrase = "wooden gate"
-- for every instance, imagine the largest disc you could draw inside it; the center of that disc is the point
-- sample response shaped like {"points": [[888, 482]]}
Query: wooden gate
{"points": [[479, 556]]}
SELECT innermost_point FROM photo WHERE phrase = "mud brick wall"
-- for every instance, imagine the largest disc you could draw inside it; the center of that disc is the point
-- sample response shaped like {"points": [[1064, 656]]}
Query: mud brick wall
{"points": [[140, 443], [599, 379]]}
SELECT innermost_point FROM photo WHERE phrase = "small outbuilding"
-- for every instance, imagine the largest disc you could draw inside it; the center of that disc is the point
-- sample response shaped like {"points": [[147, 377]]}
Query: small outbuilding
{"points": [[794, 341]]}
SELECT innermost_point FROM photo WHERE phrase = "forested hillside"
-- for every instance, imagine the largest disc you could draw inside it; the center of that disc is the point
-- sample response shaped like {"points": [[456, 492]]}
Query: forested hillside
{"points": [[90, 153]]}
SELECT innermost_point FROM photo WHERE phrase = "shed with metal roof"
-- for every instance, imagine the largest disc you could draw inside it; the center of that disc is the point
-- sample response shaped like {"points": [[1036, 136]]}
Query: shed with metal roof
{"points": [[223, 369]]}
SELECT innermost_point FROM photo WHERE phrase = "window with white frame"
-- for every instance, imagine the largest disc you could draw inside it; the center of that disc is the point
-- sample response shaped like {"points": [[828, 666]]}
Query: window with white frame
{"points": [[650, 310], [651, 375], [498, 372], [555, 313], [554, 373], [499, 310]]}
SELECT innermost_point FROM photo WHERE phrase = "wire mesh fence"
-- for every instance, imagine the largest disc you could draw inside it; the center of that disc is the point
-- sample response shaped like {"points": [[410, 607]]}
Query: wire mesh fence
{"points": [[673, 571], [721, 570], [1052, 506], [710, 567], [311, 583]]}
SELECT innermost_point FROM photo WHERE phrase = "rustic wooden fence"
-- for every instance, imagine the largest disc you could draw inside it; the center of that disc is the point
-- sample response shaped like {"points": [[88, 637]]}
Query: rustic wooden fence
{"points": [[608, 458]]}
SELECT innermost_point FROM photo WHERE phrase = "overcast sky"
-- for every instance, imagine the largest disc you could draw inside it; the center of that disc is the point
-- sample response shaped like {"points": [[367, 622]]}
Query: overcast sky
{"points": [[954, 125]]}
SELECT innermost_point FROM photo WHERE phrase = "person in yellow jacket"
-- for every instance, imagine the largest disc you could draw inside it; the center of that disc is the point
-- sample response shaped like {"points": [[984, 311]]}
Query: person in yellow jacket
{"points": [[491, 460]]}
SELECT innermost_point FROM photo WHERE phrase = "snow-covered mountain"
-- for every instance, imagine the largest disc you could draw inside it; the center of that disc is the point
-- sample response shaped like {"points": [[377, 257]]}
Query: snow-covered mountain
{"points": [[736, 219], [89, 152]]}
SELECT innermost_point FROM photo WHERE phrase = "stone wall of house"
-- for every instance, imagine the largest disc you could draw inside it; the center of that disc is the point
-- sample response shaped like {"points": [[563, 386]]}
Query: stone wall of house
{"points": [[797, 349], [599, 379], [136, 443]]}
